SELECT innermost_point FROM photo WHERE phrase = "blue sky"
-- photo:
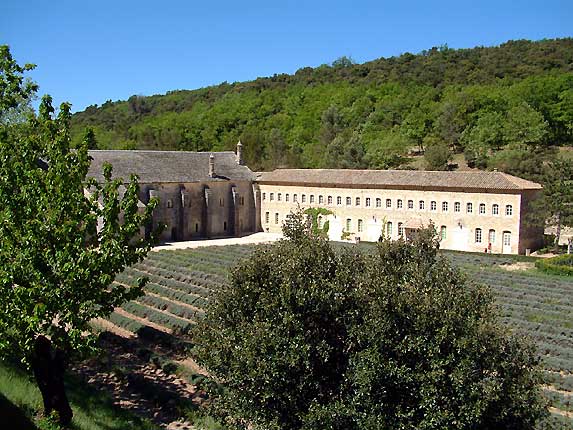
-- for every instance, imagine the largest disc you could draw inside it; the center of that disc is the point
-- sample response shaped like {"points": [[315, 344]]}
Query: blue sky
{"points": [[89, 52]]}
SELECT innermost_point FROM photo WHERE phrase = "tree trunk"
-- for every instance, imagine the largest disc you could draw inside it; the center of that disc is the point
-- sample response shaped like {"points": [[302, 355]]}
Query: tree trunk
{"points": [[558, 233], [49, 365]]}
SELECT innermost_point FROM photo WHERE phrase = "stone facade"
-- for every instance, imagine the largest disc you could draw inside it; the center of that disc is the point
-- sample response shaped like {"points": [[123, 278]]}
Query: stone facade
{"points": [[204, 195], [467, 219]]}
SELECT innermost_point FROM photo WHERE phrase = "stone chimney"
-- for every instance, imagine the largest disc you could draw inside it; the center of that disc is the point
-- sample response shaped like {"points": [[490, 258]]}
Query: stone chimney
{"points": [[211, 166], [240, 153]]}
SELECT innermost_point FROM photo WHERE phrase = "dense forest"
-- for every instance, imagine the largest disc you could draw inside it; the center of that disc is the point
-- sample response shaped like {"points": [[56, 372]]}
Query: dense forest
{"points": [[504, 107]]}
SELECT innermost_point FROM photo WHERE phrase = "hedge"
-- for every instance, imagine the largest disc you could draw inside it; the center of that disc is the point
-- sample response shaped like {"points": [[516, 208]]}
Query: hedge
{"points": [[559, 265]]}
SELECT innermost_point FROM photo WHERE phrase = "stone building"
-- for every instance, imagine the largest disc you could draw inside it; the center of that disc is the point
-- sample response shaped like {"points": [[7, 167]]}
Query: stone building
{"points": [[472, 211], [200, 194], [206, 195]]}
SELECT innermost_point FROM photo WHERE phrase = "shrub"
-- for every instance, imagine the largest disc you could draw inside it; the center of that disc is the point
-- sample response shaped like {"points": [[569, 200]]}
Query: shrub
{"points": [[309, 338], [559, 265]]}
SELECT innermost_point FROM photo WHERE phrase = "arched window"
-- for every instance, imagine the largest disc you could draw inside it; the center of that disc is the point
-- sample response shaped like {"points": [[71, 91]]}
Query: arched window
{"points": [[319, 221], [469, 208], [443, 232], [482, 208], [279, 197], [388, 203], [348, 224], [399, 203], [357, 201], [422, 205], [286, 197], [329, 200], [400, 229], [367, 202], [294, 198], [457, 207], [444, 206], [509, 210], [360, 226], [348, 201], [170, 203], [433, 206], [378, 202], [491, 236], [339, 200], [276, 218], [495, 209], [303, 198], [410, 204], [311, 198], [267, 217], [389, 229], [478, 235]]}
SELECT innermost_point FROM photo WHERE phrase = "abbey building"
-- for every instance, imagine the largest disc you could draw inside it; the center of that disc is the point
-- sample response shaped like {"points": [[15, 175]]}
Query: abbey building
{"points": [[215, 195]]}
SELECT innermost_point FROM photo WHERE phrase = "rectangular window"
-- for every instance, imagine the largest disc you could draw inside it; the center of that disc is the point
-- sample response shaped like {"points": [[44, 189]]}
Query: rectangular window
{"points": [[348, 201], [509, 210], [286, 197], [421, 205], [360, 226], [357, 201], [410, 204], [264, 196], [469, 208], [276, 218], [221, 202], [444, 206], [399, 203], [457, 207], [367, 202], [478, 235], [482, 208], [388, 203], [339, 201]]}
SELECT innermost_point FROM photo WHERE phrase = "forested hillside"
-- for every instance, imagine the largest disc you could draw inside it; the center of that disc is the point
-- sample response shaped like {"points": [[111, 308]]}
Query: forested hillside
{"points": [[504, 107]]}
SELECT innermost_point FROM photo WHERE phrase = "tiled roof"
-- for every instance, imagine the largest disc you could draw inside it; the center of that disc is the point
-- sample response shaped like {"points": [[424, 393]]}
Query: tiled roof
{"points": [[169, 166], [414, 179]]}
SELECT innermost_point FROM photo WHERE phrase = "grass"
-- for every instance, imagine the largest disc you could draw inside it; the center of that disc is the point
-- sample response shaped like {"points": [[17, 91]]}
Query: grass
{"points": [[21, 404]]}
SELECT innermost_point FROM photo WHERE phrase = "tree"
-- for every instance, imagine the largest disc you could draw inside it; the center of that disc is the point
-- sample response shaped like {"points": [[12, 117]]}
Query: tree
{"points": [[307, 337], [62, 240], [555, 207], [437, 154]]}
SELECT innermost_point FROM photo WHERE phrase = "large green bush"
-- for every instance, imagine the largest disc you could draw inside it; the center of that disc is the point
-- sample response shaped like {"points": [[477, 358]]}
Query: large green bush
{"points": [[559, 265], [307, 337]]}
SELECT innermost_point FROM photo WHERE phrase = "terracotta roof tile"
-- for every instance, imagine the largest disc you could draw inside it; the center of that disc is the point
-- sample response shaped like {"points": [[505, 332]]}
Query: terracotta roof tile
{"points": [[398, 179]]}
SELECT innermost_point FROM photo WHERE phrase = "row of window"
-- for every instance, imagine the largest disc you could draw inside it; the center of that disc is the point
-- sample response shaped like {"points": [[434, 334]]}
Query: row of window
{"points": [[388, 204]]}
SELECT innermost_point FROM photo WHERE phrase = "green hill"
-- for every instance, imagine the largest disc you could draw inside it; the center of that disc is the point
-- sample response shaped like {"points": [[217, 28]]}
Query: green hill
{"points": [[486, 101]]}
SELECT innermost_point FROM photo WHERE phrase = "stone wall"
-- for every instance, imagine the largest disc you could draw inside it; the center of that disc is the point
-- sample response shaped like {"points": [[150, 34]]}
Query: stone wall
{"points": [[369, 216]]}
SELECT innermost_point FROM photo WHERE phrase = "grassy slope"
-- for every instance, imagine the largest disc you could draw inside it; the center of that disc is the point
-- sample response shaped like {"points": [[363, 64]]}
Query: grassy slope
{"points": [[20, 403]]}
